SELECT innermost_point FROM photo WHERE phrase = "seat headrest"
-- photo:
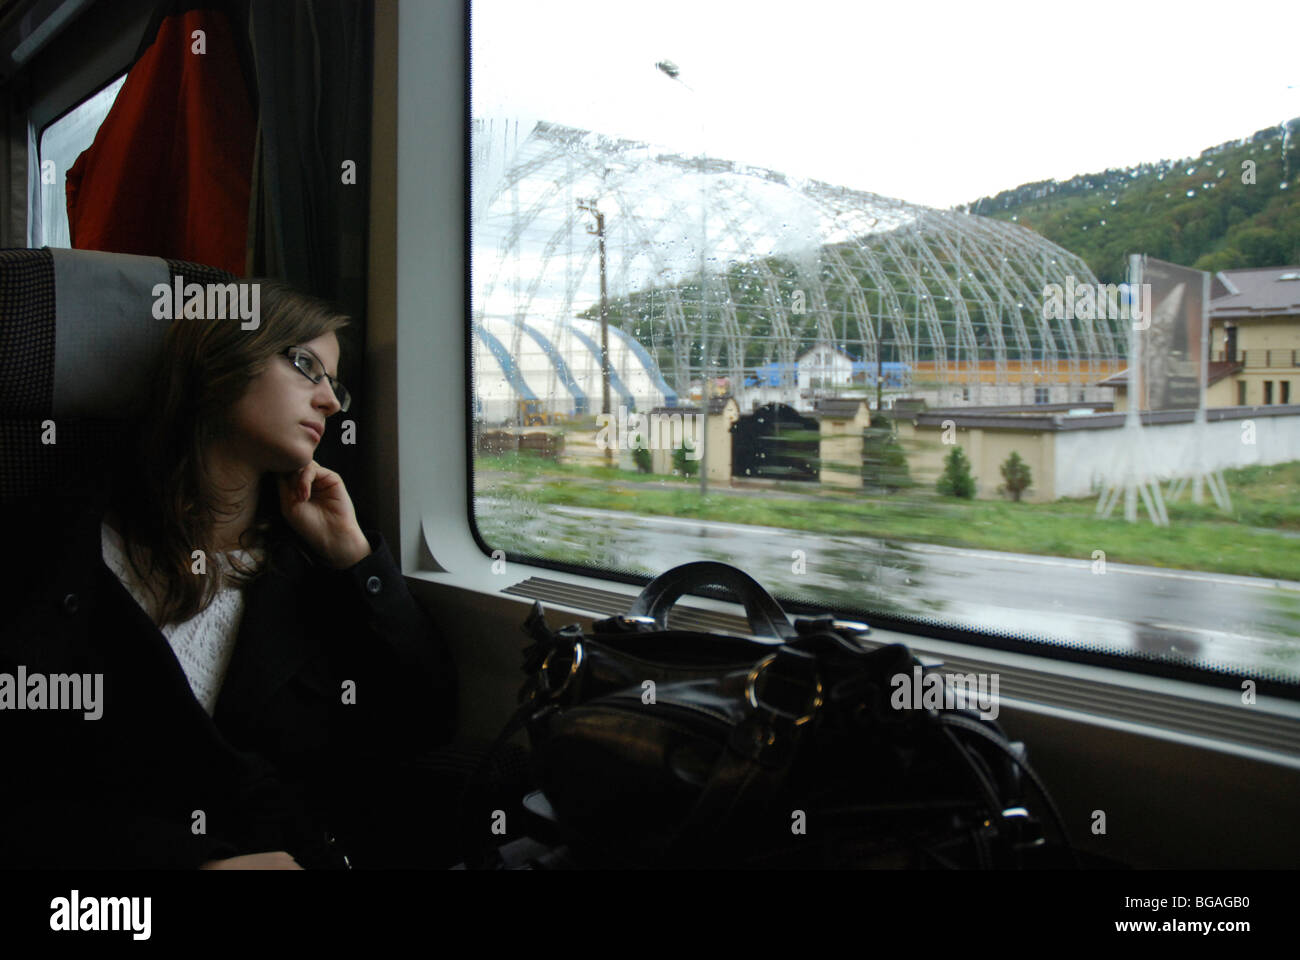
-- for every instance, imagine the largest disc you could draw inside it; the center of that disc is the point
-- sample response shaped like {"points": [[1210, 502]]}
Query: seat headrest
{"points": [[107, 341], [79, 332], [79, 344]]}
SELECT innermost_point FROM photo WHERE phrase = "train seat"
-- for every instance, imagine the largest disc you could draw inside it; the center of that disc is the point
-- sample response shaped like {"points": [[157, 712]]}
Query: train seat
{"points": [[78, 342]]}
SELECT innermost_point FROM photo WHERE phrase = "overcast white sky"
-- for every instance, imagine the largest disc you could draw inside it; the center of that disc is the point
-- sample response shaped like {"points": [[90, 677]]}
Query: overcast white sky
{"points": [[937, 104]]}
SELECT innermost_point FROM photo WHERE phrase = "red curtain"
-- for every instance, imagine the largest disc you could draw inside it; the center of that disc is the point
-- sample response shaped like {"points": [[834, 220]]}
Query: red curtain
{"points": [[168, 174]]}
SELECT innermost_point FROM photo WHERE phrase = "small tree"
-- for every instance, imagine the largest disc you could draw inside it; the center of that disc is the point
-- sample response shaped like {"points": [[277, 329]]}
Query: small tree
{"points": [[884, 464], [681, 465], [956, 480], [641, 457], [1017, 475]]}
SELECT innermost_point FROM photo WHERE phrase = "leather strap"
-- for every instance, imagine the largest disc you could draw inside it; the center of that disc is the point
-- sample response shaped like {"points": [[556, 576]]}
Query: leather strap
{"points": [[975, 727], [766, 618]]}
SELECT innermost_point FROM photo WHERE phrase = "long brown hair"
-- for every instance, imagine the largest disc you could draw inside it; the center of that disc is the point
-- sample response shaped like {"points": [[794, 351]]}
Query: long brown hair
{"points": [[164, 496]]}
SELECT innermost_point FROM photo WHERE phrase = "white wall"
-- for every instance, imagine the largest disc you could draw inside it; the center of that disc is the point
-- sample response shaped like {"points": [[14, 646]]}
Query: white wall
{"points": [[1007, 394], [1083, 457]]}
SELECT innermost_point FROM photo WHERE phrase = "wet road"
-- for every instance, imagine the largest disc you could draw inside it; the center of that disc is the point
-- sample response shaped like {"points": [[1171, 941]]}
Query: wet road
{"points": [[1220, 619]]}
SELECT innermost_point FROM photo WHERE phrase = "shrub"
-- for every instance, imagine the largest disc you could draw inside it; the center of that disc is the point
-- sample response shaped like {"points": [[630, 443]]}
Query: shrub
{"points": [[884, 465], [956, 480], [641, 457], [1017, 475], [683, 467]]}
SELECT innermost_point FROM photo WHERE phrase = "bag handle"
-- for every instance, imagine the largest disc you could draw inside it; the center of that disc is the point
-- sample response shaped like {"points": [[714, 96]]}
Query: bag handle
{"points": [[766, 618]]}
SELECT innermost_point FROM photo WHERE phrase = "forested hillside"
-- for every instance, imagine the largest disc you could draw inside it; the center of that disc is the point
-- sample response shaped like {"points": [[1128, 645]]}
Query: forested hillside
{"points": [[1203, 212]]}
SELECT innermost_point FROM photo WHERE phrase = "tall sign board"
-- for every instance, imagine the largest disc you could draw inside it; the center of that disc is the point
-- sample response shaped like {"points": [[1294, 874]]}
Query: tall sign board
{"points": [[1171, 374]]}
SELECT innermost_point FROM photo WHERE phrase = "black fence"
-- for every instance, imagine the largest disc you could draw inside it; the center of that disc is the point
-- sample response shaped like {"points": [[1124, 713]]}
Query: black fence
{"points": [[776, 443]]}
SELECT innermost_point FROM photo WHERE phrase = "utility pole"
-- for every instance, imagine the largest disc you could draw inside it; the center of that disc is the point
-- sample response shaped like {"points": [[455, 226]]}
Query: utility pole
{"points": [[880, 373], [673, 72], [590, 207], [707, 387]]}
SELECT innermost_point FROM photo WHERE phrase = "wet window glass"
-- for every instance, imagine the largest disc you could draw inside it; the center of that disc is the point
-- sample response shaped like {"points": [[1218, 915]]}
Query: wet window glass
{"points": [[885, 309]]}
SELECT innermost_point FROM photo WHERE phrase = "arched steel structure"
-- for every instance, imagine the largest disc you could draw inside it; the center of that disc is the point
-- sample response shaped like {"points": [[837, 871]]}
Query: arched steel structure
{"points": [[785, 264]]}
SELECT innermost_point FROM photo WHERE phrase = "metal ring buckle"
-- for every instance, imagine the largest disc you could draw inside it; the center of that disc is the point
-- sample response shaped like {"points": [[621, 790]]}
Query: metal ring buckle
{"points": [[629, 619], [854, 625], [544, 674], [751, 693], [1018, 822]]}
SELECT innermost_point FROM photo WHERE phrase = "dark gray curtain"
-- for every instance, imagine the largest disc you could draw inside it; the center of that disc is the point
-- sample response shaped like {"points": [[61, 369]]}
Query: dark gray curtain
{"points": [[13, 164], [308, 222]]}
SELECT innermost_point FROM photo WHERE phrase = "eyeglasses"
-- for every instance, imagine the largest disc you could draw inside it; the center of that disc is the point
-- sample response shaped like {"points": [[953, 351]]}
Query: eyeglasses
{"points": [[310, 367]]}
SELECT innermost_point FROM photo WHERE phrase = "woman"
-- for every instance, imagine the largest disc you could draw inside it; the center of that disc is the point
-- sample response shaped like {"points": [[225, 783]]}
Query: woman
{"points": [[261, 658]]}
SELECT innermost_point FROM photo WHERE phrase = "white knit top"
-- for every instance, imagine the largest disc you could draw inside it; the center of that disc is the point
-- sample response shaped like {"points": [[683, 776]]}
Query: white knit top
{"points": [[204, 643]]}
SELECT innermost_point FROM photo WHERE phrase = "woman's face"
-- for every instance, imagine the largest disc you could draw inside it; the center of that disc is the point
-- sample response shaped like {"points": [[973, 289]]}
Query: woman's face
{"points": [[270, 423]]}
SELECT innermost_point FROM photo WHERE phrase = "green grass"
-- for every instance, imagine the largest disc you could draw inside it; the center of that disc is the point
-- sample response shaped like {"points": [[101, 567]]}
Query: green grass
{"points": [[1247, 542], [532, 467]]}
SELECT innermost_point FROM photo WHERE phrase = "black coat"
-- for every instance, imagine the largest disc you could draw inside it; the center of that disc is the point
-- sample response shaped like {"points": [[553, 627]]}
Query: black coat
{"points": [[283, 753]]}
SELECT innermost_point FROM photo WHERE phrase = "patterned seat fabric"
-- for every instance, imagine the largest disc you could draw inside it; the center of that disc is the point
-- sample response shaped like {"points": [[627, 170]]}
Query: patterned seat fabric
{"points": [[84, 448]]}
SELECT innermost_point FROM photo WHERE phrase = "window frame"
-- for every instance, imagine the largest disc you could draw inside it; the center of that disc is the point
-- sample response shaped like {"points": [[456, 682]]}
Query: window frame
{"points": [[102, 43], [40, 139], [88, 54]]}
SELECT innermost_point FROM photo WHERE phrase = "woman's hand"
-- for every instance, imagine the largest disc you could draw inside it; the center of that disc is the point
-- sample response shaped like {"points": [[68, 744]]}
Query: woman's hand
{"points": [[316, 504], [274, 860]]}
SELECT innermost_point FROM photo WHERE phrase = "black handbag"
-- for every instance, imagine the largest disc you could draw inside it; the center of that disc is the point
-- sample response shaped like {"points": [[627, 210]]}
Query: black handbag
{"points": [[671, 748]]}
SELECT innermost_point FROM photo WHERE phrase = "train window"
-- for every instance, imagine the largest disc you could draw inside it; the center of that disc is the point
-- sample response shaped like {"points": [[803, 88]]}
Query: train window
{"points": [[811, 296], [61, 143]]}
